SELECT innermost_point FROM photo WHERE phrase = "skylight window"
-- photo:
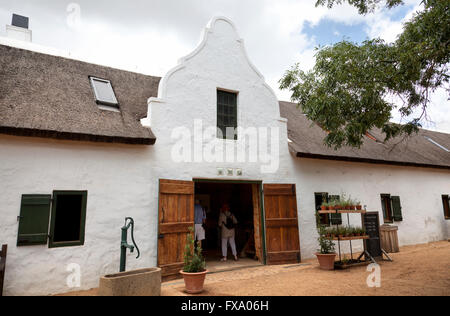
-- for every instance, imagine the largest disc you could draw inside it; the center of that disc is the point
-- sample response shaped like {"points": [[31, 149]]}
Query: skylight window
{"points": [[436, 143], [104, 92]]}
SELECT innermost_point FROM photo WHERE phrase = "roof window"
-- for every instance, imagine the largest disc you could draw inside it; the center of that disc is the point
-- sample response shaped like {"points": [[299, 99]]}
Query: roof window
{"points": [[104, 92], [436, 143]]}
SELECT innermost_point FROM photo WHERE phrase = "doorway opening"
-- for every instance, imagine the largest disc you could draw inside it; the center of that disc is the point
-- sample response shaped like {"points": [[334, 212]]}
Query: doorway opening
{"points": [[245, 204]]}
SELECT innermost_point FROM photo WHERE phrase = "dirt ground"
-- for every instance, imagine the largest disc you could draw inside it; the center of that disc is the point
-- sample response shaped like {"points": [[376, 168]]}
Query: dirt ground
{"points": [[416, 270]]}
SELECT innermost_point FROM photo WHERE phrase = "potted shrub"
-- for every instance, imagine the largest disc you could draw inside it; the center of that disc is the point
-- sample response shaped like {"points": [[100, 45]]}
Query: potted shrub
{"points": [[324, 206], [194, 271], [326, 253], [358, 205]]}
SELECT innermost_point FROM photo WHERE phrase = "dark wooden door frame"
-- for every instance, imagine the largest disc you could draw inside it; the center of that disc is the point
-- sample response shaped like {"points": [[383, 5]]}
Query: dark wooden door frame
{"points": [[2, 266], [261, 206]]}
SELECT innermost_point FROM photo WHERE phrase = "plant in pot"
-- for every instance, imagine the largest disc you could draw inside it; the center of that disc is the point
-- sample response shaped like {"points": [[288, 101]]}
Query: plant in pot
{"points": [[341, 232], [358, 205], [351, 204], [342, 204], [326, 254], [194, 271], [331, 205], [363, 232], [352, 232], [324, 206]]}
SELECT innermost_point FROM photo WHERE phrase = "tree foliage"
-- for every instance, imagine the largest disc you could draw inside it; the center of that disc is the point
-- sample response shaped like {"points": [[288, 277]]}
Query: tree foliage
{"points": [[363, 6], [346, 91]]}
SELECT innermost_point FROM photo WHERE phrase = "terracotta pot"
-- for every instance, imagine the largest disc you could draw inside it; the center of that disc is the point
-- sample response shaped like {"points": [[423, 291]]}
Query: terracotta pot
{"points": [[326, 262], [330, 208], [352, 207], [323, 208], [194, 281], [358, 207]]}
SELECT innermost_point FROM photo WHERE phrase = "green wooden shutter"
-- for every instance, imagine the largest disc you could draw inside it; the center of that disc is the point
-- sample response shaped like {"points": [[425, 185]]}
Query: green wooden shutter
{"points": [[336, 219], [396, 209], [34, 220]]}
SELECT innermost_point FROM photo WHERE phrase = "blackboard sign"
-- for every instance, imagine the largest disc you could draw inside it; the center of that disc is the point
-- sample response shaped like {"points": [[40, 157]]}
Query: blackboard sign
{"points": [[371, 223]]}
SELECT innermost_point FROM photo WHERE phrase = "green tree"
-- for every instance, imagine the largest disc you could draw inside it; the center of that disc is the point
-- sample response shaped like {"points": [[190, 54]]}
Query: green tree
{"points": [[346, 91]]}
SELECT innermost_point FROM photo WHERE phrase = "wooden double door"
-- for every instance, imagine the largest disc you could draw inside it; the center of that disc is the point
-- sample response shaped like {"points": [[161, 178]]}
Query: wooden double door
{"points": [[176, 217]]}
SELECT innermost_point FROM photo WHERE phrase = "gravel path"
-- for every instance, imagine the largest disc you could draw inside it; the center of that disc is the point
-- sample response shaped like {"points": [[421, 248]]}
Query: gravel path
{"points": [[416, 270]]}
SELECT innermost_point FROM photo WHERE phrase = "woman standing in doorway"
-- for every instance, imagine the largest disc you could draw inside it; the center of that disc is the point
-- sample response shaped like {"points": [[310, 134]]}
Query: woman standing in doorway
{"points": [[227, 222]]}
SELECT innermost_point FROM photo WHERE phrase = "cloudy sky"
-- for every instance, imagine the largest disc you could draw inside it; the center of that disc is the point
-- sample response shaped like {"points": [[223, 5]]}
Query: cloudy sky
{"points": [[149, 36]]}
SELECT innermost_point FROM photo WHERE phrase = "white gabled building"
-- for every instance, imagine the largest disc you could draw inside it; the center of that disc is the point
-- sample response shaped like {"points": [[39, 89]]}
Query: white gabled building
{"points": [[80, 150]]}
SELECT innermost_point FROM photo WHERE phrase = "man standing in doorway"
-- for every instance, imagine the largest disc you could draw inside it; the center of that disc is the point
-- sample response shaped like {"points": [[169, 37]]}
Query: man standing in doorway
{"points": [[227, 221], [200, 220]]}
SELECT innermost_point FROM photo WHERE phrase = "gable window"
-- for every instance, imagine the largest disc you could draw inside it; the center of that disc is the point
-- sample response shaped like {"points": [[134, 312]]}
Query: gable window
{"points": [[446, 204], [226, 115], [392, 208], [104, 92], [66, 211]]}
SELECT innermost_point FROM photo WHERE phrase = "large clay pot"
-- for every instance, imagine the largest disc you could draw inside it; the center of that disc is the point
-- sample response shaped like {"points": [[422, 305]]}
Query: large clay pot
{"points": [[326, 261], [194, 281]]}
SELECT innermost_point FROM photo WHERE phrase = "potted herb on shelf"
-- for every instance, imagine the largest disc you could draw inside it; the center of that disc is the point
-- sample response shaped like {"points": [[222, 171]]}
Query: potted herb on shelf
{"points": [[331, 205], [351, 204], [358, 205], [194, 271], [326, 254], [363, 232], [341, 232], [324, 206], [343, 204]]}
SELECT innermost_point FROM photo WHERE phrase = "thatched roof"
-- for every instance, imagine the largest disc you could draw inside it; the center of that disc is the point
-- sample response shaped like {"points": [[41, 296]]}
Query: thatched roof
{"points": [[307, 141], [49, 96]]}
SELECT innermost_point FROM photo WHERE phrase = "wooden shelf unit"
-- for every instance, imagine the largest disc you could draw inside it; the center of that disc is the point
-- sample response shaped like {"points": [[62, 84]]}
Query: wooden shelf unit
{"points": [[343, 212], [351, 238]]}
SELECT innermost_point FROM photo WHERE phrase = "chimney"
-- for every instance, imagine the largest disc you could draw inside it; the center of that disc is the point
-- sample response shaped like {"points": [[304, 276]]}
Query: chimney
{"points": [[19, 28]]}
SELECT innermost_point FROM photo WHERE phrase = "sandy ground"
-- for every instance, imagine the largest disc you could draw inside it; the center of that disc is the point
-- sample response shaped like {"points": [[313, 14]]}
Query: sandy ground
{"points": [[416, 270]]}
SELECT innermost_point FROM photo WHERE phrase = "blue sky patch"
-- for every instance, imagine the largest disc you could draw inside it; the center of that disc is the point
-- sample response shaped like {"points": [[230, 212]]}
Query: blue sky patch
{"points": [[329, 32]]}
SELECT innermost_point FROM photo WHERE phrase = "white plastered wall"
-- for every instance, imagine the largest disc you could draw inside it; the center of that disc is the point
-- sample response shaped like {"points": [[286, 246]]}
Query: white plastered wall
{"points": [[118, 181]]}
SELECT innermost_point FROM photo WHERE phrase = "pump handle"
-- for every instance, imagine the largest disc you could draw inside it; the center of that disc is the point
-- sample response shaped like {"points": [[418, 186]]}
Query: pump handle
{"points": [[132, 234]]}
